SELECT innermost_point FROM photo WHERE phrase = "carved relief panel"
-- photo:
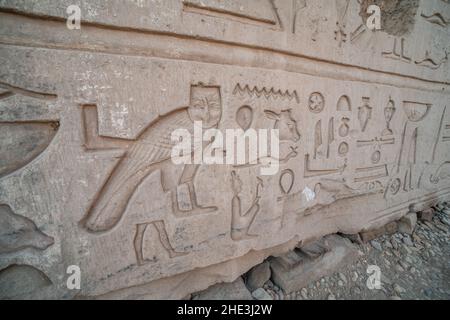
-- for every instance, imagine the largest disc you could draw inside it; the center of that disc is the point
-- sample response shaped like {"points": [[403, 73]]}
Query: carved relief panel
{"points": [[87, 175]]}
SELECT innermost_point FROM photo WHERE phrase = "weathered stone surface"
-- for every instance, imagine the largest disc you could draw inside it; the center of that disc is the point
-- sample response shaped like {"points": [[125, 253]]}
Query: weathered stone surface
{"points": [[426, 215], [372, 234], [17, 281], [261, 294], [258, 276], [177, 287], [295, 270], [407, 224], [87, 116], [226, 291]]}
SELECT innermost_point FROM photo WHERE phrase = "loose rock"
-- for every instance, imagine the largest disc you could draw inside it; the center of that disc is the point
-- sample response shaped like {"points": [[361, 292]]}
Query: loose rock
{"points": [[407, 224], [258, 276], [261, 294]]}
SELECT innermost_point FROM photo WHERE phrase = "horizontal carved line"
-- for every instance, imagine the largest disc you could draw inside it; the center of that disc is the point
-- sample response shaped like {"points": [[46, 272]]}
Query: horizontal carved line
{"points": [[30, 93], [160, 44], [215, 12]]}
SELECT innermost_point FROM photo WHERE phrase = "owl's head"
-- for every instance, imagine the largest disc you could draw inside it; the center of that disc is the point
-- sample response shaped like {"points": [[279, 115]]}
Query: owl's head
{"points": [[205, 105]]}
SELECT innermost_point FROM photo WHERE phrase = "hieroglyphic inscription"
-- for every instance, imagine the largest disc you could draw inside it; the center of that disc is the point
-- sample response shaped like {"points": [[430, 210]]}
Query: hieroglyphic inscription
{"points": [[23, 131], [272, 93], [242, 220]]}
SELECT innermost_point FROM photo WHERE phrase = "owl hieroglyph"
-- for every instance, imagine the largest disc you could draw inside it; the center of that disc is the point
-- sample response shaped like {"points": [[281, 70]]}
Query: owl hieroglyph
{"points": [[152, 151]]}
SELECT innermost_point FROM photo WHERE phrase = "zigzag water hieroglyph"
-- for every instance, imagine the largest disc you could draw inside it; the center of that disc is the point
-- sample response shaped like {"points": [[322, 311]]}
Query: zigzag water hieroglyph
{"points": [[266, 93]]}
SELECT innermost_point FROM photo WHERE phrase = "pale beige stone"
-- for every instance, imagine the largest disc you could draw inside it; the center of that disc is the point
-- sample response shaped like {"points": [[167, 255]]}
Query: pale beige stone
{"points": [[86, 118]]}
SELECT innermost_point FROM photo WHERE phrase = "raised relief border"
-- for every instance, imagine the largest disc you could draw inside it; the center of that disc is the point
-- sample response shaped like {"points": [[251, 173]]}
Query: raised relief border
{"points": [[24, 130]]}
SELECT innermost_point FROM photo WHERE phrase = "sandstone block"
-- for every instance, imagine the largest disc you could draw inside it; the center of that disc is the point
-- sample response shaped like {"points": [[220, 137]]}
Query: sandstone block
{"points": [[182, 143], [258, 276], [426, 215], [407, 224], [295, 270], [372, 234]]}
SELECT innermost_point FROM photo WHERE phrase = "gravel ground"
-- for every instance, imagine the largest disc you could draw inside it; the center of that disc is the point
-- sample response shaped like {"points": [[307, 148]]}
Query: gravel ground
{"points": [[412, 267]]}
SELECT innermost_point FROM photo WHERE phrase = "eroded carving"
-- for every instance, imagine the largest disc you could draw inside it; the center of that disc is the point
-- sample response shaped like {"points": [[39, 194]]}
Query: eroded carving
{"points": [[321, 149], [446, 137], [18, 232], [397, 53], [287, 179], [344, 104], [431, 62], [163, 238], [297, 6], [389, 112], [375, 157], [393, 187], [285, 123], [152, 151], [358, 32], [364, 113], [223, 56], [435, 18], [438, 135], [310, 172], [92, 138], [416, 111], [344, 129], [340, 35], [376, 143], [317, 138], [23, 137], [288, 131], [244, 117], [16, 281], [316, 102], [242, 220], [441, 173], [330, 136], [343, 149], [263, 13], [288, 200], [407, 157], [371, 173], [328, 191]]}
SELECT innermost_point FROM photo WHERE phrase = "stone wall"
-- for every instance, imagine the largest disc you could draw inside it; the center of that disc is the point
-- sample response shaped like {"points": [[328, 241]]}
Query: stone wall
{"points": [[86, 116]]}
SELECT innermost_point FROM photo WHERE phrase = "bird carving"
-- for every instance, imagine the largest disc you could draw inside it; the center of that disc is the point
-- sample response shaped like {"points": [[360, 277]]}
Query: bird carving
{"points": [[152, 151]]}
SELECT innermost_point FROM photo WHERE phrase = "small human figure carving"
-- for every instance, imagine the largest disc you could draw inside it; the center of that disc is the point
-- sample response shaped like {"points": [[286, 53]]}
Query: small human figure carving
{"points": [[242, 221]]}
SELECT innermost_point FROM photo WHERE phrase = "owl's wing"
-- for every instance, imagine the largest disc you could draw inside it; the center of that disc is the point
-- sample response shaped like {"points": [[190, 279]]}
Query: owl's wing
{"points": [[156, 144]]}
